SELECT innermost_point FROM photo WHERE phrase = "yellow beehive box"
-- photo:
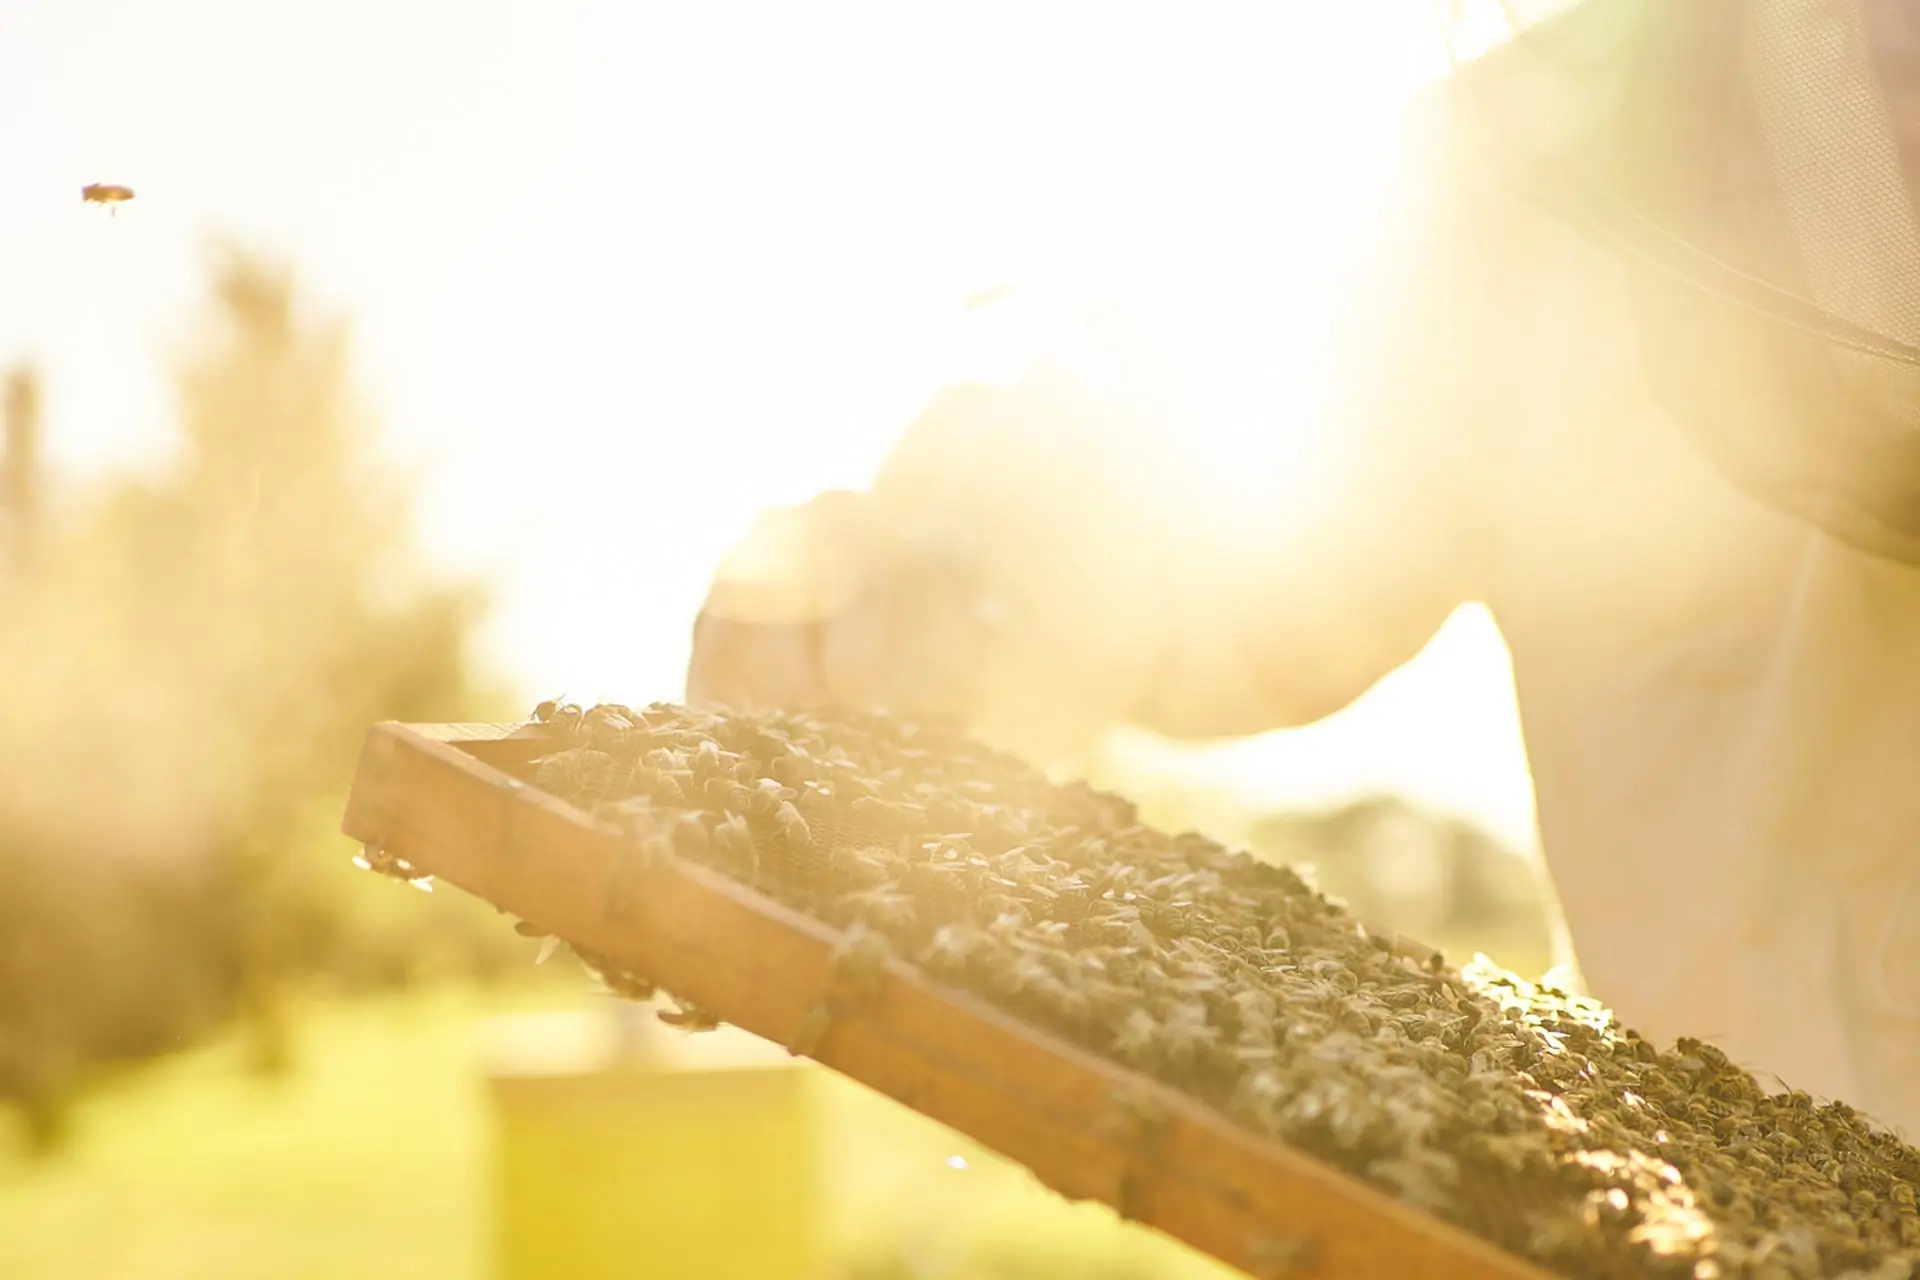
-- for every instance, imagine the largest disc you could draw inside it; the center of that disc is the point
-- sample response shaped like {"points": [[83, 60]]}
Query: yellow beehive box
{"points": [[697, 1159]]}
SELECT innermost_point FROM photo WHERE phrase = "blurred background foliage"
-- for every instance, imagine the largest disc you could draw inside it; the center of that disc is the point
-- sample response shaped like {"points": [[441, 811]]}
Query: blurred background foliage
{"points": [[188, 662]]}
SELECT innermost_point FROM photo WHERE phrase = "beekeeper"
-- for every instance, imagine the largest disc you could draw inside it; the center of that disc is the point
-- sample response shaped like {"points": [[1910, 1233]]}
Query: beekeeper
{"points": [[1636, 368]]}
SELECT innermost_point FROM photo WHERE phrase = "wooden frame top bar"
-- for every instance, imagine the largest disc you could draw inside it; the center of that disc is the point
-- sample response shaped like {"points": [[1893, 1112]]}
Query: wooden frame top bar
{"points": [[446, 799]]}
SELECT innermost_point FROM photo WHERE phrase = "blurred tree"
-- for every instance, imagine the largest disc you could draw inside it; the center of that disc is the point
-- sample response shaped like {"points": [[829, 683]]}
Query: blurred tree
{"points": [[185, 679], [300, 576], [20, 477]]}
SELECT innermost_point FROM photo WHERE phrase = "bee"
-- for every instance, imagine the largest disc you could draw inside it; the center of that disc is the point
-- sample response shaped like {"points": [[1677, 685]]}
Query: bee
{"points": [[549, 942], [768, 794], [376, 859], [884, 909], [110, 194], [1137, 1038], [688, 1016], [689, 836], [791, 769], [618, 981], [952, 949], [813, 1028], [608, 728], [793, 827], [858, 966], [1272, 1257], [666, 760], [1187, 1039], [564, 719], [673, 790]]}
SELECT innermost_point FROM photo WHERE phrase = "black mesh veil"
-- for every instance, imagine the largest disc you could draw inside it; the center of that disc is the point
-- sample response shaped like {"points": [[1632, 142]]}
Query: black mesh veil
{"points": [[1757, 165]]}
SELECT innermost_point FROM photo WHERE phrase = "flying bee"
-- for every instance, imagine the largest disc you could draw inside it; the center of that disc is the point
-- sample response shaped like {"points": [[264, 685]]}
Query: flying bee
{"points": [[110, 194]]}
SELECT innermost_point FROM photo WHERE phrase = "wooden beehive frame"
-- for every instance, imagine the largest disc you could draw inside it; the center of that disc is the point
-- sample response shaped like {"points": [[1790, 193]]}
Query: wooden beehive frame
{"points": [[454, 801]]}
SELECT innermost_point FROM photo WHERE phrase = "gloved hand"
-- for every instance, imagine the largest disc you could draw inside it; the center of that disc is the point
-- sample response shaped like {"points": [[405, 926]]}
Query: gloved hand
{"points": [[825, 604], [1002, 571]]}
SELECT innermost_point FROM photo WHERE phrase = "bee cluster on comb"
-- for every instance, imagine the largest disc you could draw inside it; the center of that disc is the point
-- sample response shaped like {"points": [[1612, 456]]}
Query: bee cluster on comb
{"points": [[1525, 1115]]}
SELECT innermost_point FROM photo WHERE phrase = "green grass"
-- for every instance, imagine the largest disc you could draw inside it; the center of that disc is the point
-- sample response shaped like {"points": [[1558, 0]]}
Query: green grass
{"points": [[368, 1160], [373, 1160]]}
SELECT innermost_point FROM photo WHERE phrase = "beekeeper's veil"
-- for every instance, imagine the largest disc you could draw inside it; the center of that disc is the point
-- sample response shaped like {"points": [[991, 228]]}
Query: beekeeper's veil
{"points": [[1757, 163]]}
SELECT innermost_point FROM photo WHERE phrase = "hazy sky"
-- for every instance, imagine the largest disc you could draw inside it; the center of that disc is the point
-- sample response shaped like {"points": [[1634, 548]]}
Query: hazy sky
{"points": [[623, 272]]}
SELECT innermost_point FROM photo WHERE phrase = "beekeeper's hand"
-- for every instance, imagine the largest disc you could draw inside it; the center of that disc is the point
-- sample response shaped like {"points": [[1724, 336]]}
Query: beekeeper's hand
{"points": [[824, 604], [1001, 571]]}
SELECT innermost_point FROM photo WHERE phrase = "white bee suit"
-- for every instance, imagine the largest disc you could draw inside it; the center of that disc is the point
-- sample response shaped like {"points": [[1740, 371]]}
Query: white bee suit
{"points": [[1721, 703]]}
